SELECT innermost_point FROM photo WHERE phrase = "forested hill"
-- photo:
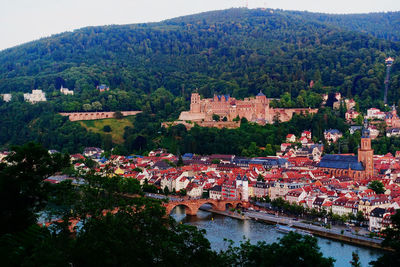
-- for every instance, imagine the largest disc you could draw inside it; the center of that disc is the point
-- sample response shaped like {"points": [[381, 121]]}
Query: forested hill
{"points": [[236, 51], [384, 25]]}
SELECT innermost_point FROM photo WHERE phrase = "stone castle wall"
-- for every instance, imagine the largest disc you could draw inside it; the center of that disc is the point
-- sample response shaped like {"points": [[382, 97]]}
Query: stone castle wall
{"points": [[255, 109], [85, 116], [216, 124]]}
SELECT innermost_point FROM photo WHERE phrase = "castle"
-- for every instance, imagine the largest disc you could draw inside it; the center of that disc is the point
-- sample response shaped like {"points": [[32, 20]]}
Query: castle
{"points": [[253, 109]]}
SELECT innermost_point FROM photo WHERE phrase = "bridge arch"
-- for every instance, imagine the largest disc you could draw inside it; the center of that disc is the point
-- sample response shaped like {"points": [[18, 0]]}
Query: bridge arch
{"points": [[188, 209]]}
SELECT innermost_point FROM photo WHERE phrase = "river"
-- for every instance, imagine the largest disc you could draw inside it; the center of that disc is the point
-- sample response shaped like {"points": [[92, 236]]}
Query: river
{"points": [[219, 227]]}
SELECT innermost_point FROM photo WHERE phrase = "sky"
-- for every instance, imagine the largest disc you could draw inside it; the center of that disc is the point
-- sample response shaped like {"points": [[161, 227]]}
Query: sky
{"points": [[26, 20]]}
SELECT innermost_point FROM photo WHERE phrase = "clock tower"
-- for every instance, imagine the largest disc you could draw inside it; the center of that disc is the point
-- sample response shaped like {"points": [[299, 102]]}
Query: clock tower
{"points": [[366, 153]]}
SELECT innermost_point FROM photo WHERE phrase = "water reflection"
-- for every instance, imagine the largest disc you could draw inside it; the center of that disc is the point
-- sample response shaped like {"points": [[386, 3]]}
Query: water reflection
{"points": [[220, 227]]}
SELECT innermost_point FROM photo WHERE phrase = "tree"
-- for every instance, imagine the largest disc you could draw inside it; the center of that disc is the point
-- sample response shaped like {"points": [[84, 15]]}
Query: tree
{"points": [[236, 119], [292, 250], [182, 192], [355, 262], [87, 107], [118, 115], [216, 117], [107, 128], [377, 186], [22, 191], [180, 161], [215, 161], [360, 216], [166, 191], [97, 106]]}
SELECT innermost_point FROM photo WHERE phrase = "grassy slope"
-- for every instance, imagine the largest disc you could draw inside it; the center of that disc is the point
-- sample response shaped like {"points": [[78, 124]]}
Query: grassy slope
{"points": [[117, 127]]}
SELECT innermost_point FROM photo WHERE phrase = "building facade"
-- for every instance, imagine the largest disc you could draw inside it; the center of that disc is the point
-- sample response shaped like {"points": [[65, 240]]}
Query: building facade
{"points": [[253, 109]]}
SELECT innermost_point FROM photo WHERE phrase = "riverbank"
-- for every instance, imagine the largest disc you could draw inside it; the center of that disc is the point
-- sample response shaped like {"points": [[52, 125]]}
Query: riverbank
{"points": [[333, 234], [227, 213], [221, 228]]}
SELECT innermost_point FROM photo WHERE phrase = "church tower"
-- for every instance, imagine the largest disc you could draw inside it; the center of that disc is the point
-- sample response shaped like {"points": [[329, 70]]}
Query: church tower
{"points": [[366, 153], [195, 103]]}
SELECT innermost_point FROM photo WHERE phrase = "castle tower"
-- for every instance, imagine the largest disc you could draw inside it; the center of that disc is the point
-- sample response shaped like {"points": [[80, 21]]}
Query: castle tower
{"points": [[195, 103], [261, 106], [366, 153]]}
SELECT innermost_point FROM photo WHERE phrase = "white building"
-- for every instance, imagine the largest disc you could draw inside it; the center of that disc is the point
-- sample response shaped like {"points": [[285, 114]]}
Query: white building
{"points": [[6, 97], [374, 113], [194, 191], [35, 96], [66, 91], [215, 192]]}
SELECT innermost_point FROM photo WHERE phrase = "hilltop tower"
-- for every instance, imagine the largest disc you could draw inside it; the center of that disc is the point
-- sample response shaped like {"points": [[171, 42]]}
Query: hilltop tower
{"points": [[389, 62], [261, 106], [366, 153], [195, 103]]}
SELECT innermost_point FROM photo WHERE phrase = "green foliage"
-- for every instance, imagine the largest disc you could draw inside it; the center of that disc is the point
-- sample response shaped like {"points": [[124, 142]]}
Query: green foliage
{"points": [[292, 250], [355, 261], [182, 192], [245, 140], [23, 122], [23, 193], [216, 117], [118, 115], [377, 186], [236, 51], [107, 128], [215, 161]]}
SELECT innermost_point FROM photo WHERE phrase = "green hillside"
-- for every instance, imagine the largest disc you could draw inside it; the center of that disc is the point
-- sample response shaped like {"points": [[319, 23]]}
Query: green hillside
{"points": [[117, 127], [235, 51]]}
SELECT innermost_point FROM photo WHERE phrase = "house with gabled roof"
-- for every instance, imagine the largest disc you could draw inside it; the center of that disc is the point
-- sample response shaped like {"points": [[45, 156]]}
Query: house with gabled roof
{"points": [[332, 135], [339, 206], [194, 191], [290, 138]]}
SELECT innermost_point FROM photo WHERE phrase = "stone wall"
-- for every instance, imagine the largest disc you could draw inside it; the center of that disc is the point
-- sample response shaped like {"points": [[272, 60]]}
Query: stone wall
{"points": [[217, 124], [85, 116]]}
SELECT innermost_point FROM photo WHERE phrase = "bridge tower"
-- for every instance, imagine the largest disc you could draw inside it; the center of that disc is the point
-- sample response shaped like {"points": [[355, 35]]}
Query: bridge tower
{"points": [[245, 188]]}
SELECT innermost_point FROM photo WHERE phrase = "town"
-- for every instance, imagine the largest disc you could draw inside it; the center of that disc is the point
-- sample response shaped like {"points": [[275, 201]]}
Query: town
{"points": [[351, 187]]}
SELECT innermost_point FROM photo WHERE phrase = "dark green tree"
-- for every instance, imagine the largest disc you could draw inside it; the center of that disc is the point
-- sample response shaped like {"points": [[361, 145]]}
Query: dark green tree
{"points": [[22, 190], [216, 117], [107, 128], [377, 186], [292, 250], [355, 261]]}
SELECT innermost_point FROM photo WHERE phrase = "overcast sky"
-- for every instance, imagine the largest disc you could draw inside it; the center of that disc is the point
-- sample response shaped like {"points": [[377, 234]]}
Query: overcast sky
{"points": [[26, 20]]}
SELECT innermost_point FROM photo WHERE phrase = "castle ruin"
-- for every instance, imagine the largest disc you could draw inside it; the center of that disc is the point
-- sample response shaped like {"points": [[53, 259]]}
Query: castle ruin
{"points": [[253, 109]]}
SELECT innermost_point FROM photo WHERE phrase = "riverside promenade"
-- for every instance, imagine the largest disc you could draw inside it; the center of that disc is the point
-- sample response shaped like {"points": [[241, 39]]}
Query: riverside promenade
{"points": [[335, 234]]}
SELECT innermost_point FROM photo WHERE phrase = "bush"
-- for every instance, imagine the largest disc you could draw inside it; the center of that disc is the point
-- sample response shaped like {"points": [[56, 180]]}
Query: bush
{"points": [[107, 128]]}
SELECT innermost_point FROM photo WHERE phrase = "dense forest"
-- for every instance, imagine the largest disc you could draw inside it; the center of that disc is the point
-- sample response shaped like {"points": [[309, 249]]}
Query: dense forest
{"points": [[154, 67], [235, 51], [383, 25]]}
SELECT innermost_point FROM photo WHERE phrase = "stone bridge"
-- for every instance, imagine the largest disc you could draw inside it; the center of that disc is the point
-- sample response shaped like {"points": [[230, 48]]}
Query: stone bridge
{"points": [[193, 205]]}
